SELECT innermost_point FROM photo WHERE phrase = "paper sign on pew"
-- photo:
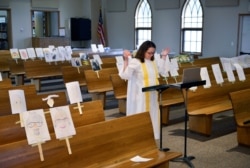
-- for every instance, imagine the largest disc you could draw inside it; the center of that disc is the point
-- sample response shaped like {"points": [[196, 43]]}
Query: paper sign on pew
{"points": [[36, 129], [94, 48], [63, 124], [18, 103], [69, 52], [31, 53], [14, 54], [1, 78], [240, 72], [173, 68], [205, 76], [229, 71], [74, 93], [23, 54], [119, 63], [217, 74], [39, 53]]}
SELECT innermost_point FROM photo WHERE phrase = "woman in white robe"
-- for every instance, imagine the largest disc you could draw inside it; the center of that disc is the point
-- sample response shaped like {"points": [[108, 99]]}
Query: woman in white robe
{"points": [[143, 71]]}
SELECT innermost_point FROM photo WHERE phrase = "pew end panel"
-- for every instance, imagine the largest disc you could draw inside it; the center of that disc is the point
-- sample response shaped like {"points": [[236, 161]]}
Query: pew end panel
{"points": [[120, 91], [240, 100]]}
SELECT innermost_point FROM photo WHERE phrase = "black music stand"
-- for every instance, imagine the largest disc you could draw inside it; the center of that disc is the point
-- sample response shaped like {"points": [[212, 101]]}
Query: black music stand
{"points": [[159, 89], [186, 86]]}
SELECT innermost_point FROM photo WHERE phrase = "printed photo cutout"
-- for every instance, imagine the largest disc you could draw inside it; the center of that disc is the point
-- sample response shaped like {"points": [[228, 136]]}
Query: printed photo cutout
{"points": [[36, 127], [95, 64], [76, 62], [74, 92], [62, 53], [17, 101], [1, 78], [84, 58], [62, 122]]}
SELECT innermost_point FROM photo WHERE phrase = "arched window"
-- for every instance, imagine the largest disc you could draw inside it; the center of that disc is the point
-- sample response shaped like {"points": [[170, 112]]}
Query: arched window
{"points": [[143, 23], [192, 27]]}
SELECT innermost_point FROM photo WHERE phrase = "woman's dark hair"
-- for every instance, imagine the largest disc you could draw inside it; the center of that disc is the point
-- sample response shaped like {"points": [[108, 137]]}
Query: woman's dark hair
{"points": [[143, 48]]}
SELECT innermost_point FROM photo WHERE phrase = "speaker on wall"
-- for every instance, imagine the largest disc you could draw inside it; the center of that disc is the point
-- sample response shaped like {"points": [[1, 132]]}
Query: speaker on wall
{"points": [[80, 29]]}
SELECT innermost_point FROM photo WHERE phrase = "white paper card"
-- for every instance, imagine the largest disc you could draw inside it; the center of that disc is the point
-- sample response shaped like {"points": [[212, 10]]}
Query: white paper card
{"points": [[68, 52], [23, 54], [36, 127], [240, 72], [174, 63], [62, 53], [62, 122], [100, 48], [205, 76], [74, 92], [224, 60], [39, 52], [119, 59], [173, 70], [98, 58], [140, 159], [229, 71], [217, 73], [48, 54], [1, 78], [31, 53], [17, 101], [94, 48], [14, 53]]}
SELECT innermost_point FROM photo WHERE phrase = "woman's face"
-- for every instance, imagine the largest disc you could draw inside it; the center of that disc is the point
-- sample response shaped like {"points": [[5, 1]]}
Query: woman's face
{"points": [[149, 53]]}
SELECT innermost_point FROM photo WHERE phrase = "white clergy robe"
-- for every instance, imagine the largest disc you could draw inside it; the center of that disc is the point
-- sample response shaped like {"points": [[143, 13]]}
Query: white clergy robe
{"points": [[141, 75]]}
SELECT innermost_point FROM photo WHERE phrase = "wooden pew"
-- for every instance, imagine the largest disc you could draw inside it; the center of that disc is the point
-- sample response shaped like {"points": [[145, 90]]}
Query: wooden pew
{"points": [[4, 63], [120, 91], [33, 100], [203, 103], [71, 74], [98, 83], [17, 70], [109, 143], [38, 69], [5, 83], [11, 132], [241, 105]]}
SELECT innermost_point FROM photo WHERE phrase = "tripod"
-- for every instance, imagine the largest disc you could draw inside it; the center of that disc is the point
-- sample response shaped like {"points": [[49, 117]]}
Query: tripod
{"points": [[160, 89], [185, 87]]}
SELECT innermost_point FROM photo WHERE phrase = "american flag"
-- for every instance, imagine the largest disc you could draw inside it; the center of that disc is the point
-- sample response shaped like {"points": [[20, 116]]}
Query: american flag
{"points": [[100, 30]]}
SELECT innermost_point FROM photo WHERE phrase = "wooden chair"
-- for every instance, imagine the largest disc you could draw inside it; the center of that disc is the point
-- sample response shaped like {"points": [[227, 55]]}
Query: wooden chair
{"points": [[241, 105]]}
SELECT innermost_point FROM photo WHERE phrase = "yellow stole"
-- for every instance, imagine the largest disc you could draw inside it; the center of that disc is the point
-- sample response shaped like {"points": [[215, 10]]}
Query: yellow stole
{"points": [[146, 82]]}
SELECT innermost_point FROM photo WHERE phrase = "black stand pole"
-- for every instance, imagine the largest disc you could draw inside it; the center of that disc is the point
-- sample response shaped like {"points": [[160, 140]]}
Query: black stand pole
{"points": [[160, 89], [186, 86]]}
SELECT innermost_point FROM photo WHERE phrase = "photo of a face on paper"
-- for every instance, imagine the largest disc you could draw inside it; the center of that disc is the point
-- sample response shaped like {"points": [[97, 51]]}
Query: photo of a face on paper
{"points": [[36, 126], [62, 122]]}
